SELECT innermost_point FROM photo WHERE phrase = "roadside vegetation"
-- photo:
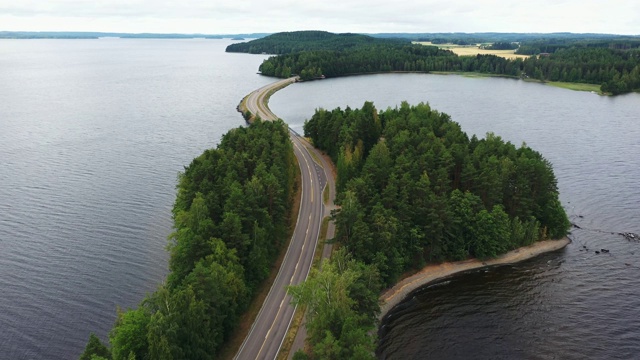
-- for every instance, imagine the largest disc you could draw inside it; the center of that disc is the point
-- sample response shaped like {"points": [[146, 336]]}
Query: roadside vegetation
{"points": [[414, 189], [230, 217]]}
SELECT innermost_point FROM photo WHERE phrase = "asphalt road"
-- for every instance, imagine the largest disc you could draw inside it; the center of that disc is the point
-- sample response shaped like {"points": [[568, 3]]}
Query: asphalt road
{"points": [[270, 327]]}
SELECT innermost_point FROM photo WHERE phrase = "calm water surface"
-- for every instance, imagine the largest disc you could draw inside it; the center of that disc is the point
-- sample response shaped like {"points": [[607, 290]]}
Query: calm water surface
{"points": [[92, 136], [572, 304]]}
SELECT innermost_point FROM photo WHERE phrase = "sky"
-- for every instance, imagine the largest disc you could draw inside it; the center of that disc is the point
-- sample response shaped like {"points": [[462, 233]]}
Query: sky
{"points": [[360, 16]]}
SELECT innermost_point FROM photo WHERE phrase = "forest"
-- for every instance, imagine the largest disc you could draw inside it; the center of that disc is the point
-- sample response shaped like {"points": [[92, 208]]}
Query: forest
{"points": [[617, 71], [414, 189], [552, 45], [612, 63], [231, 218], [297, 41]]}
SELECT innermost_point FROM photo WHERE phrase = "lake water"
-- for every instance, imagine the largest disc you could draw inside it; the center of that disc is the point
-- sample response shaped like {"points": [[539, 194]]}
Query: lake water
{"points": [[572, 304], [92, 136], [93, 133]]}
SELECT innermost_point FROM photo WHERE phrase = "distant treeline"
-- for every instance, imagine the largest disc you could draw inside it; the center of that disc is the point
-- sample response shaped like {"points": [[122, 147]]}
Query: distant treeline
{"points": [[553, 45], [612, 64], [298, 41], [96, 35], [382, 58], [230, 216], [414, 189], [492, 37], [617, 71]]}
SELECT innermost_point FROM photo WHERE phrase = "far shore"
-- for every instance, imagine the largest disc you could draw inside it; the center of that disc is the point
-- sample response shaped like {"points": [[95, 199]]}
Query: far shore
{"points": [[433, 273]]}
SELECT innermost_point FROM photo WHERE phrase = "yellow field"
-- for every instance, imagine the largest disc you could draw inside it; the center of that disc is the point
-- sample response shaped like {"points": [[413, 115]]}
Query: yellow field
{"points": [[471, 50]]}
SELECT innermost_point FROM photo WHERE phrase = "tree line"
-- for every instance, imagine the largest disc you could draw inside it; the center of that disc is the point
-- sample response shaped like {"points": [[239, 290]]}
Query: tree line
{"points": [[552, 45], [383, 58], [502, 45], [230, 217], [617, 71]]}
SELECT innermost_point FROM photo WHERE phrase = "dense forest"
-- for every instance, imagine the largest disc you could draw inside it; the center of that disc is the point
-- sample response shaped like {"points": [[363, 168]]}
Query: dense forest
{"points": [[414, 189], [383, 58], [230, 218], [297, 41], [614, 64]]}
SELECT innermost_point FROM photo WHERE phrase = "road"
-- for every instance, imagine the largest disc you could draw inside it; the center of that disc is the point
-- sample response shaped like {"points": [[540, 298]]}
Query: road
{"points": [[272, 323]]}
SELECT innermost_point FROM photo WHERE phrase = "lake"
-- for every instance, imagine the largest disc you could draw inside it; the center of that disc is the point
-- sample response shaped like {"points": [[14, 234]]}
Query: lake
{"points": [[92, 136], [572, 304], [94, 132]]}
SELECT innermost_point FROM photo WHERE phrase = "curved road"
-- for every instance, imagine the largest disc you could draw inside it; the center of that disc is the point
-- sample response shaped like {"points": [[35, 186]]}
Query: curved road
{"points": [[272, 323]]}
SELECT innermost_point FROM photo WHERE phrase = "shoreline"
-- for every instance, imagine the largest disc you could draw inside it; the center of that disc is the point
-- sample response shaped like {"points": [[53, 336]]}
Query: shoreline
{"points": [[432, 273], [585, 87]]}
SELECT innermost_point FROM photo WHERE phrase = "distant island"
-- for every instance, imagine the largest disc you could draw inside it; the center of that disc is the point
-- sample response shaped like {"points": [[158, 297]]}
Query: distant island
{"points": [[608, 63], [301, 41], [97, 35]]}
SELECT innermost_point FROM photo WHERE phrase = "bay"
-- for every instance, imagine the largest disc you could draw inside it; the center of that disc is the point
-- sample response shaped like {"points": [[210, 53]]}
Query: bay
{"points": [[572, 304], [92, 136]]}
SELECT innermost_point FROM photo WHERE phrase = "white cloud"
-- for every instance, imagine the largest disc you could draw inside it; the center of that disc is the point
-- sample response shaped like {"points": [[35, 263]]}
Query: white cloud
{"points": [[215, 16]]}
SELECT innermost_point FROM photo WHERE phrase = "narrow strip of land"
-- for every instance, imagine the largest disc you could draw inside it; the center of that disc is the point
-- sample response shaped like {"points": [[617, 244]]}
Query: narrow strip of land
{"points": [[256, 101], [270, 327]]}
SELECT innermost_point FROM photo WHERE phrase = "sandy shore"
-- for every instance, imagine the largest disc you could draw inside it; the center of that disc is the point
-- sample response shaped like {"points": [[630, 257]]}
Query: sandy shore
{"points": [[431, 273]]}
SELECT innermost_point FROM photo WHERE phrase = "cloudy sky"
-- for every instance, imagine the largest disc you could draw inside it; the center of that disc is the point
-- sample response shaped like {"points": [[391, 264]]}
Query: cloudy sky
{"points": [[372, 16]]}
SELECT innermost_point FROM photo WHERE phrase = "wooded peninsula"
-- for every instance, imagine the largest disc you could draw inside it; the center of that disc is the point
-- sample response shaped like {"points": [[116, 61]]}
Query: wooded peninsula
{"points": [[414, 189]]}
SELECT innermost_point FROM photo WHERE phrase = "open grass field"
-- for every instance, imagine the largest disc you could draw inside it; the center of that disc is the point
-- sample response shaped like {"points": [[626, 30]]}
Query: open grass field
{"points": [[472, 50], [576, 86]]}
